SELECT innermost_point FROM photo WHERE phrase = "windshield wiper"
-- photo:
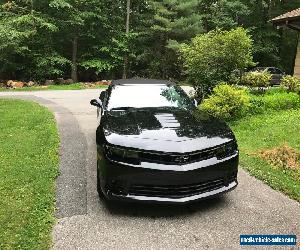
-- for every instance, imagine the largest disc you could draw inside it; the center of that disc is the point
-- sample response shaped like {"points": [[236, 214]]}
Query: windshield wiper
{"points": [[167, 108]]}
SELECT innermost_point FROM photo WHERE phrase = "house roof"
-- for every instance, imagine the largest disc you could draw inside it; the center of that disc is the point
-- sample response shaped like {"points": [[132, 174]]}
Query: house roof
{"points": [[290, 19], [289, 15]]}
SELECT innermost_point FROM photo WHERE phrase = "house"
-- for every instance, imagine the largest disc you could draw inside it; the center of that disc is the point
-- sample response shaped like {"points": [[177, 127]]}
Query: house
{"points": [[291, 20]]}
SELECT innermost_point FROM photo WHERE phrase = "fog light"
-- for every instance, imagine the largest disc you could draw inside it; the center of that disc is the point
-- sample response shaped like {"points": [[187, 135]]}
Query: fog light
{"points": [[118, 188]]}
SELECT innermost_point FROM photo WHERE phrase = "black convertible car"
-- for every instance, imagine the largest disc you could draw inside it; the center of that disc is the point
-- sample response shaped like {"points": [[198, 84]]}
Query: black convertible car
{"points": [[153, 144]]}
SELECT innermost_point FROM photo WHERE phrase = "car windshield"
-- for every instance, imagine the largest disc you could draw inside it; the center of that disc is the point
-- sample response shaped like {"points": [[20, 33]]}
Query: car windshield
{"points": [[148, 96], [259, 69]]}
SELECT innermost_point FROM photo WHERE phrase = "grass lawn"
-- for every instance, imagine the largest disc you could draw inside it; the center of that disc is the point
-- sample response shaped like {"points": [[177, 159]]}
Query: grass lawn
{"points": [[28, 168], [74, 86], [266, 131]]}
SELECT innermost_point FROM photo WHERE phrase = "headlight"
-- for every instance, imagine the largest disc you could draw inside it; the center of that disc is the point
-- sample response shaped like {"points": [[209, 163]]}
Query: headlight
{"points": [[112, 151], [121, 154], [226, 150]]}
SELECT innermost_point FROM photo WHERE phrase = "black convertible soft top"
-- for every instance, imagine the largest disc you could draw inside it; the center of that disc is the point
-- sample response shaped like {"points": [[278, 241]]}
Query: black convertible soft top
{"points": [[141, 81]]}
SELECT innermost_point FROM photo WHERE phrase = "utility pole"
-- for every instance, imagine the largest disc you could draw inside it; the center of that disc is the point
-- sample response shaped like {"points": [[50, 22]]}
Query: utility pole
{"points": [[127, 33]]}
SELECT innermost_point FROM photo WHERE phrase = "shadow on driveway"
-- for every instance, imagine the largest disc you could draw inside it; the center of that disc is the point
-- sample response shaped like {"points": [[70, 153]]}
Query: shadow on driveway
{"points": [[132, 209]]}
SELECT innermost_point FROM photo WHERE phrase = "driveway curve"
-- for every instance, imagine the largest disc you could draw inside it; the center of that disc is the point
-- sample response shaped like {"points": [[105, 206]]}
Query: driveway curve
{"points": [[86, 222]]}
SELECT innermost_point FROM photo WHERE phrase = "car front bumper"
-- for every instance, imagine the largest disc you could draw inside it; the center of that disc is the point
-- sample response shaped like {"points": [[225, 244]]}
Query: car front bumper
{"points": [[158, 183]]}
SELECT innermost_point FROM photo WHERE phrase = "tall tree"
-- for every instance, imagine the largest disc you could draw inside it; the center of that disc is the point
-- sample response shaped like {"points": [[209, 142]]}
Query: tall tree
{"points": [[177, 21], [171, 22], [24, 29], [72, 17], [127, 34]]}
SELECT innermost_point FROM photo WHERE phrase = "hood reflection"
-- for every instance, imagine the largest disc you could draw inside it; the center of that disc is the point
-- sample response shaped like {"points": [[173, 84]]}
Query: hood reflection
{"points": [[168, 125]]}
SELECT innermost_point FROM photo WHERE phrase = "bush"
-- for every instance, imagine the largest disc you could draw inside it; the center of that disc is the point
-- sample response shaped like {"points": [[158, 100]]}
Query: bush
{"points": [[226, 102], [212, 57], [291, 83], [256, 79], [274, 101]]}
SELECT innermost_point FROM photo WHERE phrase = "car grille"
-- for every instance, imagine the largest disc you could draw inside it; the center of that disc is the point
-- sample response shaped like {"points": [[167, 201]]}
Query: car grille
{"points": [[222, 151], [176, 191]]}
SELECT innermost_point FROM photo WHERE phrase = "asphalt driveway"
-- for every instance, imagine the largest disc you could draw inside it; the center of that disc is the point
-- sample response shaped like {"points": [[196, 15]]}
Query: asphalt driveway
{"points": [[86, 222]]}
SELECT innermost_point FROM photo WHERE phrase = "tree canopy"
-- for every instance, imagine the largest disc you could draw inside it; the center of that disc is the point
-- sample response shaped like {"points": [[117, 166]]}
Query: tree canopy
{"points": [[87, 40]]}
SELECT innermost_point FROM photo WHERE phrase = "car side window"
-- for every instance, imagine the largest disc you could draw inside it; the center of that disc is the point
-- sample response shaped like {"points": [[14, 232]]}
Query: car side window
{"points": [[278, 71], [272, 70]]}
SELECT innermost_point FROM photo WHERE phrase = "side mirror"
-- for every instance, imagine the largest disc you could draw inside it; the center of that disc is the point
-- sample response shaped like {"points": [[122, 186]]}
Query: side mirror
{"points": [[97, 103]]}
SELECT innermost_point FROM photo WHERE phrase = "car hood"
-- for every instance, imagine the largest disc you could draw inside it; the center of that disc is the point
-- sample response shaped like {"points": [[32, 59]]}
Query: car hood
{"points": [[169, 130]]}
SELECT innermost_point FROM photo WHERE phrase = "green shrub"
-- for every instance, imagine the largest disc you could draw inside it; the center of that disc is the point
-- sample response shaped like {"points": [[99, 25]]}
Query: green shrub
{"points": [[212, 57], [291, 83], [226, 102], [273, 101], [256, 79]]}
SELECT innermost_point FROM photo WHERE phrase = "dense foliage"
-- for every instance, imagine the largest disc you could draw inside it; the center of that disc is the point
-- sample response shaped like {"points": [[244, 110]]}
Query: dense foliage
{"points": [[226, 102], [87, 40], [291, 83], [229, 103], [211, 57], [273, 100], [256, 79]]}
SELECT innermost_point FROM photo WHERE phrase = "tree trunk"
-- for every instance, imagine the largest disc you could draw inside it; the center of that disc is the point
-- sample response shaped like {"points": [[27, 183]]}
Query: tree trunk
{"points": [[74, 74], [125, 66], [127, 32]]}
